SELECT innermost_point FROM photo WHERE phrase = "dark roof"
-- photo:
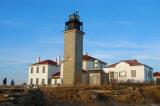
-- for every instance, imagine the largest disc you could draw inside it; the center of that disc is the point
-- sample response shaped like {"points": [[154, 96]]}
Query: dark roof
{"points": [[87, 57], [156, 74], [50, 62], [130, 62], [84, 71], [57, 74]]}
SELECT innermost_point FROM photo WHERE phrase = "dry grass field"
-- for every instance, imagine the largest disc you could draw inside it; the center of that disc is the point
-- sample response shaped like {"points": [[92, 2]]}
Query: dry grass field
{"points": [[102, 96], [85, 96]]}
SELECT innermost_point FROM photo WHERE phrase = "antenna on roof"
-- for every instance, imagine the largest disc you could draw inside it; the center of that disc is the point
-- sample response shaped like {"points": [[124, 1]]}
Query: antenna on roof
{"points": [[76, 12]]}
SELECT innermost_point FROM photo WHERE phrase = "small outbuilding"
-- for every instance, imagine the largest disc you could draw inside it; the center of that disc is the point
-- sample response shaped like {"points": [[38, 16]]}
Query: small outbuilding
{"points": [[97, 78], [156, 77]]}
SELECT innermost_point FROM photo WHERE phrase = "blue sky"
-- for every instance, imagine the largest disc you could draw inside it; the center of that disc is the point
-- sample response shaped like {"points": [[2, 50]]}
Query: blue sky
{"points": [[114, 30]]}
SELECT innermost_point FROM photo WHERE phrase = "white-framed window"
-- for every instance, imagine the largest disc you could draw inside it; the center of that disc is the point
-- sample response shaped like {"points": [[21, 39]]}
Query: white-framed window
{"points": [[122, 74], [31, 81], [133, 73], [37, 80], [31, 69], [43, 69], [37, 69], [43, 81]]}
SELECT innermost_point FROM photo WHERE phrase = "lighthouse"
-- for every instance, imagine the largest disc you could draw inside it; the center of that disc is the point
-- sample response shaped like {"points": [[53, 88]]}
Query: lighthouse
{"points": [[73, 50]]}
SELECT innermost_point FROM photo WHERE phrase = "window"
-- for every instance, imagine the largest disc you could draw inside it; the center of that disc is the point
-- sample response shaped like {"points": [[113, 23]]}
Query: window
{"points": [[112, 75], [122, 74], [37, 81], [49, 81], [31, 69], [43, 81], [55, 81], [133, 73], [31, 81], [37, 69], [101, 66], [150, 74], [43, 69], [146, 72]]}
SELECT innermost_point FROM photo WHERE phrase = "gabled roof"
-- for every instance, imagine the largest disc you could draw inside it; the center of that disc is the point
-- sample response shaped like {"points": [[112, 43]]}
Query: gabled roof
{"points": [[49, 62], [130, 62], [87, 58], [156, 74]]}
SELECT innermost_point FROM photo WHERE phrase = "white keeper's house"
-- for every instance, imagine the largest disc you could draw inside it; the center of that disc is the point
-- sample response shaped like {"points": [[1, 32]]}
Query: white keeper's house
{"points": [[41, 72], [129, 71]]}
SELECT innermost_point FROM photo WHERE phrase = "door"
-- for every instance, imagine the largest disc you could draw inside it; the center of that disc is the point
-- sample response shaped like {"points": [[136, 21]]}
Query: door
{"points": [[113, 77]]}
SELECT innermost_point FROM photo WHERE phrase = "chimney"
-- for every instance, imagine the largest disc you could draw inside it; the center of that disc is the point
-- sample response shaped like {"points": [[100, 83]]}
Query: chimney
{"points": [[38, 59], [58, 60]]}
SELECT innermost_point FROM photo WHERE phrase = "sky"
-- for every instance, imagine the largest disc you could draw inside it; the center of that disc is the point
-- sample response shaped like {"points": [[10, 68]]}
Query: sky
{"points": [[115, 30]]}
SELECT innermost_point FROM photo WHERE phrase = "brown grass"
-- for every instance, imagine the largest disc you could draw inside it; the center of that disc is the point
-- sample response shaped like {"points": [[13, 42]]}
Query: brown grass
{"points": [[66, 95], [2, 99], [130, 97], [135, 95], [153, 92]]}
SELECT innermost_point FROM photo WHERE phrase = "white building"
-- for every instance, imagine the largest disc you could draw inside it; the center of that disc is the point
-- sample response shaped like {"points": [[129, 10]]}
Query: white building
{"points": [[130, 71], [41, 72]]}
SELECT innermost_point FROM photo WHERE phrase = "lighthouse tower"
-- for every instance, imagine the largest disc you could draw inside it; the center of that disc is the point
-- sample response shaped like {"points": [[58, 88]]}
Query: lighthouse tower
{"points": [[73, 50]]}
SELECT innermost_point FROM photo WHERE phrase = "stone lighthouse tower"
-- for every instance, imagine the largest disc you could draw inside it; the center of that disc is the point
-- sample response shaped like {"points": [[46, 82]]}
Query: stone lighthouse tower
{"points": [[73, 50]]}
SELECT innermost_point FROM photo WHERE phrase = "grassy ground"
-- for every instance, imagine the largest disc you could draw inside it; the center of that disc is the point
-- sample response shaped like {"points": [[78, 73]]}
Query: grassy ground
{"points": [[102, 96], [86, 96]]}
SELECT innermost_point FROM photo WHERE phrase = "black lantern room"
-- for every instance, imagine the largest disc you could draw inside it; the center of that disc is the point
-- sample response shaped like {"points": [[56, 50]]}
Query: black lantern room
{"points": [[74, 22]]}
